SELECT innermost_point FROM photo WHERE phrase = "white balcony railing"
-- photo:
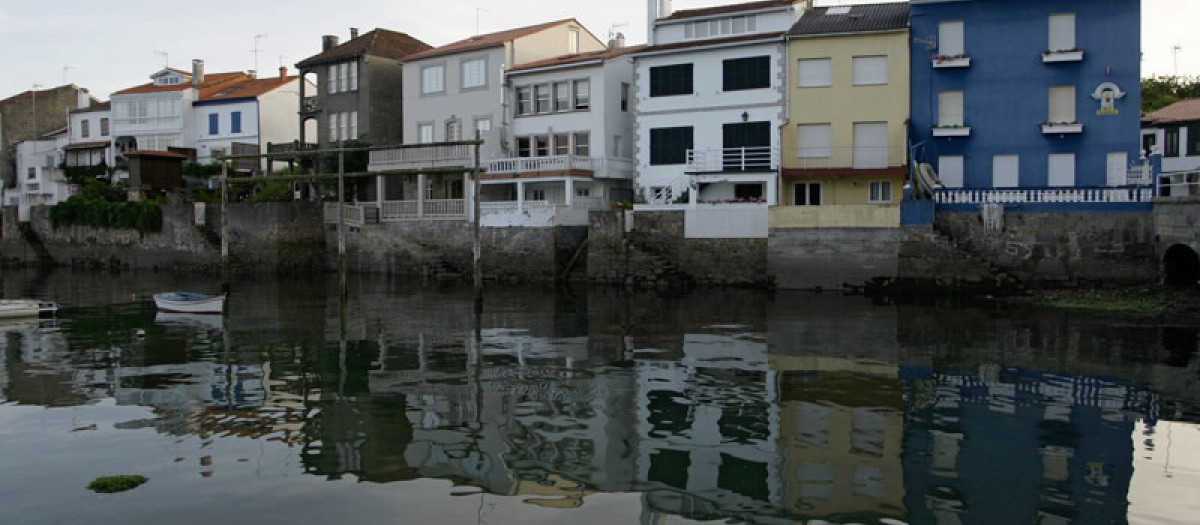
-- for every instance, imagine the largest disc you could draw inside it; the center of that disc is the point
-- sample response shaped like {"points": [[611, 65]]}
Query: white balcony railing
{"points": [[847, 158], [390, 211], [1179, 184], [758, 158], [600, 167], [1045, 195], [417, 156]]}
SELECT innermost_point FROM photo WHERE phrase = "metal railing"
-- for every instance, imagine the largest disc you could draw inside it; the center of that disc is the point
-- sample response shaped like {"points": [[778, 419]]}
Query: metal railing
{"points": [[1045, 195], [310, 105], [758, 158], [846, 157], [1179, 184], [416, 156], [601, 167], [352, 214]]}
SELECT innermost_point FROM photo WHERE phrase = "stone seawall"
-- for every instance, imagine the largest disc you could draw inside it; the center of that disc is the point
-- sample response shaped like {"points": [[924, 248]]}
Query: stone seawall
{"points": [[830, 258]]}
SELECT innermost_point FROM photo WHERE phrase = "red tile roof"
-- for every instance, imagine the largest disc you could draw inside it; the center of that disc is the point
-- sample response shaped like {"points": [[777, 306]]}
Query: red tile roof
{"points": [[379, 42], [607, 54], [212, 81], [87, 145], [1186, 110], [248, 89], [102, 106], [488, 40], [154, 153], [725, 9]]}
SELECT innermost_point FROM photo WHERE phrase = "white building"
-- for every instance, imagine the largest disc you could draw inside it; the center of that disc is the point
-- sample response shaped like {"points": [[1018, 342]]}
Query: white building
{"points": [[710, 101], [1174, 133], [246, 116], [570, 142], [90, 145], [39, 173]]}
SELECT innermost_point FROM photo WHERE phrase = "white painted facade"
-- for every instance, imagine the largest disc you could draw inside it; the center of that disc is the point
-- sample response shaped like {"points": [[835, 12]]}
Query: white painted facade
{"points": [[90, 127], [40, 180], [157, 120], [269, 118], [709, 107], [1181, 162]]}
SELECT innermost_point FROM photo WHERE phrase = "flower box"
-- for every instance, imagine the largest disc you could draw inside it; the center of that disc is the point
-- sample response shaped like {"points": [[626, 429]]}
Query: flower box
{"points": [[1062, 55], [949, 61], [952, 131], [1051, 128]]}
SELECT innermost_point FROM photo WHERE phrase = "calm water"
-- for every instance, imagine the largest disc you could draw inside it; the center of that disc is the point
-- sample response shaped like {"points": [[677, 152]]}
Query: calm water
{"points": [[588, 407]]}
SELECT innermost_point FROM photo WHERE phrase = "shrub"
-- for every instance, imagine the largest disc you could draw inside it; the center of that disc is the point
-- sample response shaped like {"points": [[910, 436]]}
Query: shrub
{"points": [[111, 484]]}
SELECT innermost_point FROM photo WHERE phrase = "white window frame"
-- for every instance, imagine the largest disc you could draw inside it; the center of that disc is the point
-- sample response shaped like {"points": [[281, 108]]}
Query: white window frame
{"points": [[1061, 32], [424, 132], [951, 108], [352, 129], [525, 104], [808, 193], [331, 72], [582, 94], [868, 72], [879, 191], [952, 38], [333, 127], [814, 140], [1060, 170], [354, 76], [561, 95], [814, 72], [433, 79], [951, 171], [474, 73], [1006, 171]]}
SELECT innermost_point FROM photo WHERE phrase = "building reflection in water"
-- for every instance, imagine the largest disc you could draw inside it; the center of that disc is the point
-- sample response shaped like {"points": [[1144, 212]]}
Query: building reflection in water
{"points": [[814, 410]]}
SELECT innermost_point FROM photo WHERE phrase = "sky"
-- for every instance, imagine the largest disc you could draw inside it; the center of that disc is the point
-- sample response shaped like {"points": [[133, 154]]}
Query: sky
{"points": [[105, 49]]}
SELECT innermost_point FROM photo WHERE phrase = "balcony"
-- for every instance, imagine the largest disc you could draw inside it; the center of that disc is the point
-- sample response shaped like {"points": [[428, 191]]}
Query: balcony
{"points": [[951, 61], [423, 156], [847, 158], [1054, 128], [1044, 195], [310, 105], [613, 168], [1062, 55], [395, 211], [952, 131], [747, 159]]}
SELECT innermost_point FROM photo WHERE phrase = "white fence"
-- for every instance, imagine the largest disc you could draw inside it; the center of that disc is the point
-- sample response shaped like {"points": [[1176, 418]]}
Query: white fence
{"points": [[1045, 195], [355, 214], [601, 167], [418, 156], [537, 213], [764, 158], [1179, 185]]}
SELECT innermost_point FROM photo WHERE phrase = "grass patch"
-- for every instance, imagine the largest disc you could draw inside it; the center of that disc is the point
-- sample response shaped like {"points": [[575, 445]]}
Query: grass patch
{"points": [[111, 484]]}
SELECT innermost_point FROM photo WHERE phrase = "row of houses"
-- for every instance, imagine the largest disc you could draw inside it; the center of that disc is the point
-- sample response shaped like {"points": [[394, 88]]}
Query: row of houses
{"points": [[823, 115]]}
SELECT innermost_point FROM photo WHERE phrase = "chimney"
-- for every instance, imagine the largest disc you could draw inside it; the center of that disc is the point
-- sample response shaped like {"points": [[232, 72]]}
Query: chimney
{"points": [[252, 73], [353, 33], [656, 9], [282, 71], [620, 40], [328, 42], [197, 72]]}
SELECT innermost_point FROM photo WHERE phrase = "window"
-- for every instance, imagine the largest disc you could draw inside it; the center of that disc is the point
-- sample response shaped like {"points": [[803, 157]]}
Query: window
{"points": [[474, 73], [1171, 142], [433, 79], [332, 73], [524, 147], [425, 133], [541, 97], [869, 71], [816, 72], [806, 194], [870, 145], [950, 171], [1062, 32], [1061, 169], [537, 195], [333, 127], [524, 100], [720, 27], [344, 76], [1193, 140], [483, 125], [235, 122], [1149, 141], [104, 127], [747, 146], [562, 96], [214, 123], [670, 145], [1006, 171], [1062, 104], [583, 146], [816, 140], [562, 144], [881, 191], [671, 80], [950, 108], [453, 130], [541, 146], [344, 126], [950, 39], [573, 41], [747, 73], [31, 173], [353, 129], [583, 94], [85, 130], [354, 76], [624, 96]]}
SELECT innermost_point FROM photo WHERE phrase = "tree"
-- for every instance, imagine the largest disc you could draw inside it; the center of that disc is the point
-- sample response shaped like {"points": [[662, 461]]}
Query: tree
{"points": [[1160, 92]]}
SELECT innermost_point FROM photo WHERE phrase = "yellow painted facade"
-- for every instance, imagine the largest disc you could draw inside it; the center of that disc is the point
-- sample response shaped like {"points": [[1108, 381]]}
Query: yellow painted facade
{"points": [[841, 105], [836, 216]]}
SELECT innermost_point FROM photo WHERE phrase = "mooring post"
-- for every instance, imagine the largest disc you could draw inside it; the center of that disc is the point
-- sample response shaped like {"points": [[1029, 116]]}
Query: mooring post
{"points": [[342, 225], [477, 243], [224, 225]]}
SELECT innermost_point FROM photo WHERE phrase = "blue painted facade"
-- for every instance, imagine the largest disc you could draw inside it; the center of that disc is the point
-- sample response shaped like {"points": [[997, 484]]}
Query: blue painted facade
{"points": [[1006, 86]]}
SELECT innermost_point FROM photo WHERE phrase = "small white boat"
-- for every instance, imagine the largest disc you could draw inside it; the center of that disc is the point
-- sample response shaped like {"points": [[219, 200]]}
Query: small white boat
{"points": [[189, 302], [16, 308]]}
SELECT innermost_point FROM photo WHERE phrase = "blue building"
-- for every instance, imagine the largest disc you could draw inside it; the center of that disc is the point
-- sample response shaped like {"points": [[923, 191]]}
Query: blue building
{"points": [[1029, 102]]}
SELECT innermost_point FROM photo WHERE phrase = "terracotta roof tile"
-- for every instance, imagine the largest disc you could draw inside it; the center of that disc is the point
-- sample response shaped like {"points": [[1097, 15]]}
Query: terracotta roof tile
{"points": [[725, 9], [247, 89], [488, 40], [379, 42], [861, 18], [101, 106], [713, 42], [87, 145], [211, 81], [155, 153], [1186, 110], [607, 54]]}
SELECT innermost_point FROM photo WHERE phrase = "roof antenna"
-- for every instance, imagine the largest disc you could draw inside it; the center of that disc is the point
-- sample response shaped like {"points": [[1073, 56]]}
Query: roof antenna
{"points": [[65, 68], [164, 55], [477, 11], [256, 49]]}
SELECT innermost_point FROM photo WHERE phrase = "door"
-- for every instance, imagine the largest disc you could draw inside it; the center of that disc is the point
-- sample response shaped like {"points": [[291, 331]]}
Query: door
{"points": [[1118, 168], [747, 146]]}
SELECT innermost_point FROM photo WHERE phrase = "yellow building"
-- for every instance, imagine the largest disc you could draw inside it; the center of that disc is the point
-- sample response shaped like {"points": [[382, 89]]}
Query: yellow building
{"points": [[844, 146]]}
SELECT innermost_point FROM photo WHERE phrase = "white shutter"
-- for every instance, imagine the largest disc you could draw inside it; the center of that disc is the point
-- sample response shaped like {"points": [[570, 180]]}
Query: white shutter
{"points": [[1062, 104], [1118, 168], [1062, 32], [870, 145], [870, 70], [950, 39], [816, 72], [354, 76], [353, 124], [950, 171], [344, 76], [816, 140], [1006, 171], [332, 74], [950, 108], [333, 128], [1061, 170]]}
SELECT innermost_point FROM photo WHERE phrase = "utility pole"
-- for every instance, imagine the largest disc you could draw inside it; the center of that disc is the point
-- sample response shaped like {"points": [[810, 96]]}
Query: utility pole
{"points": [[1175, 57]]}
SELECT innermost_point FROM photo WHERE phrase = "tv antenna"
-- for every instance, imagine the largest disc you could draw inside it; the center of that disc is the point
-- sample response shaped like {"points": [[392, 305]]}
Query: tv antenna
{"points": [[477, 11], [164, 56], [65, 69], [1175, 49], [612, 30], [257, 37]]}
